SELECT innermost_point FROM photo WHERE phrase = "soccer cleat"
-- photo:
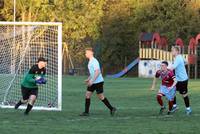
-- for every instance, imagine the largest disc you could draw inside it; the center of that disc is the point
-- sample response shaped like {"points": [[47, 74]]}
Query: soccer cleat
{"points": [[162, 109], [84, 114], [169, 112], [17, 105], [113, 111], [188, 111], [174, 109]]}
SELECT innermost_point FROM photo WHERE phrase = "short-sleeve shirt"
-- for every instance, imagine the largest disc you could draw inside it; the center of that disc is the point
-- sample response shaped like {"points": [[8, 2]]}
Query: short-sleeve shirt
{"points": [[93, 65], [179, 67], [166, 76]]}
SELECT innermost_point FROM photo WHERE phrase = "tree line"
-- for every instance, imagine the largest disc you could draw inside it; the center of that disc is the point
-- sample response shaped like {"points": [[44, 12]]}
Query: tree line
{"points": [[111, 27]]}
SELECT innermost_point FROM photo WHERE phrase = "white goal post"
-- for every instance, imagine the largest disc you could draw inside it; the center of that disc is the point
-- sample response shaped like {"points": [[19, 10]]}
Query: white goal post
{"points": [[21, 44]]}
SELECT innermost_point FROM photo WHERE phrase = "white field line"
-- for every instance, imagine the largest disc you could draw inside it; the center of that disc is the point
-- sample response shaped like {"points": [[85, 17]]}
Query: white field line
{"points": [[95, 118]]}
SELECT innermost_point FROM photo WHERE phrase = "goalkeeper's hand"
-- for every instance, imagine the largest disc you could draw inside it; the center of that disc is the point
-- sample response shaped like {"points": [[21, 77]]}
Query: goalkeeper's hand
{"points": [[41, 81]]}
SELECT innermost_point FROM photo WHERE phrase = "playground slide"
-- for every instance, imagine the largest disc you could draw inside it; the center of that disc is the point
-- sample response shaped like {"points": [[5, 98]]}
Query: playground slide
{"points": [[125, 70]]}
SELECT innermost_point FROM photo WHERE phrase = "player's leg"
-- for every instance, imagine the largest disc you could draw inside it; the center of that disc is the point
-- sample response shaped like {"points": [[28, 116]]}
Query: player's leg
{"points": [[107, 103], [187, 104], [32, 98], [87, 101], [170, 105], [170, 94], [88, 95], [25, 97], [20, 102], [160, 102], [175, 107], [159, 96], [174, 103], [184, 93], [100, 95], [31, 102]]}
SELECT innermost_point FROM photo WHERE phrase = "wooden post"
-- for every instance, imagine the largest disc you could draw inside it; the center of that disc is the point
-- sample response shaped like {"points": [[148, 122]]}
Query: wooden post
{"points": [[188, 62], [195, 66], [64, 59], [151, 50], [140, 50]]}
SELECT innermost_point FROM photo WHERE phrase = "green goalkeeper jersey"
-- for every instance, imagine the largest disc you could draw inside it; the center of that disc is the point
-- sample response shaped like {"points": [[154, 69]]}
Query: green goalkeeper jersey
{"points": [[29, 79]]}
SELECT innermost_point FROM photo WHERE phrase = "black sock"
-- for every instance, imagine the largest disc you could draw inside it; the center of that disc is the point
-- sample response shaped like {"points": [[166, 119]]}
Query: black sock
{"points": [[87, 105], [107, 103], [186, 100], [28, 109], [175, 100], [19, 103]]}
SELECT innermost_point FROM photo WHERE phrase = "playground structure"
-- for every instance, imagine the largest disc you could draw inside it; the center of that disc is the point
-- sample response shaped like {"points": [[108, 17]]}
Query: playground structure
{"points": [[125, 70], [194, 57], [154, 48]]}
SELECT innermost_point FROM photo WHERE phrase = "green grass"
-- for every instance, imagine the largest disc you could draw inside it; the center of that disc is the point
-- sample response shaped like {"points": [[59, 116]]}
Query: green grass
{"points": [[137, 112]]}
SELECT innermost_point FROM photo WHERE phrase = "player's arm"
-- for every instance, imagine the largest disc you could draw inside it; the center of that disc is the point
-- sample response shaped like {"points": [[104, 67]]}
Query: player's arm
{"points": [[175, 82], [153, 84], [96, 74], [174, 79], [43, 79], [87, 79], [157, 75], [44, 73], [29, 76], [175, 64]]}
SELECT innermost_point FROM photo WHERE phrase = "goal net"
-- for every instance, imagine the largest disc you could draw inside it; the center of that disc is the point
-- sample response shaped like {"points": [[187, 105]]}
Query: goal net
{"points": [[21, 44]]}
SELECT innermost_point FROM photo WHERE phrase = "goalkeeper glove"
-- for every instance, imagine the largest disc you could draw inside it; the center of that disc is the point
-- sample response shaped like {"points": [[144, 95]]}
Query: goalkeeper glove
{"points": [[41, 81]]}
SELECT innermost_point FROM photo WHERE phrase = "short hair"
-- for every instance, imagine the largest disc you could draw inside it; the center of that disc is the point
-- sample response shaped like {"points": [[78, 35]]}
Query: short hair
{"points": [[89, 49], [165, 62], [177, 48], [42, 59]]}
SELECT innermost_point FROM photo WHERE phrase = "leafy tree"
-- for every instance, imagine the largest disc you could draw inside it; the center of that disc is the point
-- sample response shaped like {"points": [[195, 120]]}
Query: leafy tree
{"points": [[112, 27]]}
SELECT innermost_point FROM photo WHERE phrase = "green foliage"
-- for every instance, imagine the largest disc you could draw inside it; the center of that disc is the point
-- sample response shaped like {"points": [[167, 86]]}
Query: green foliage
{"points": [[81, 21], [173, 18], [112, 26], [118, 30]]}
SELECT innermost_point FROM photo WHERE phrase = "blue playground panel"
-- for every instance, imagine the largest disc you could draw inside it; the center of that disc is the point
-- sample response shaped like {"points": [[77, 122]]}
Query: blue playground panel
{"points": [[125, 70]]}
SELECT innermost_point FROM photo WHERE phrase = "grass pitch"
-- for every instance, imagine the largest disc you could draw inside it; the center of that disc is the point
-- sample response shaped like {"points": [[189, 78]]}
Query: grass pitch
{"points": [[137, 112]]}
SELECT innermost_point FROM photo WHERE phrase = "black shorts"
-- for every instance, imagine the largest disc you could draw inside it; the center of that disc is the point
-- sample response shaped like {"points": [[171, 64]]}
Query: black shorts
{"points": [[182, 87], [98, 87], [26, 92]]}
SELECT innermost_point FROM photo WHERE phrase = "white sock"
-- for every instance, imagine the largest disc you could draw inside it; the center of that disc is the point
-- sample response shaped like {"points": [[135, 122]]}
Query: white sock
{"points": [[188, 108], [174, 105]]}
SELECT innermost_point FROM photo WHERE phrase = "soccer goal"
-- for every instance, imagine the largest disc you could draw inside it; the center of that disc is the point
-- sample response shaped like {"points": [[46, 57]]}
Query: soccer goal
{"points": [[21, 44]]}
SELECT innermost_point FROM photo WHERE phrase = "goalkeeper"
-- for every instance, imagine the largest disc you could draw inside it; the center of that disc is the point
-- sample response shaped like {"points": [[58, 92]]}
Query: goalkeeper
{"points": [[29, 85]]}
